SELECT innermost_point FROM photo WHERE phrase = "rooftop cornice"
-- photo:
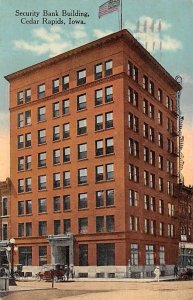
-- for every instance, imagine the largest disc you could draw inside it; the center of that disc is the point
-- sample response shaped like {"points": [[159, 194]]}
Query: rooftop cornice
{"points": [[123, 34]]}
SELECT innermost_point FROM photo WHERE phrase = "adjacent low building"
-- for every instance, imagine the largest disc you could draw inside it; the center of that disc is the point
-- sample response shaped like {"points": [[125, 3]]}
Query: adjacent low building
{"points": [[94, 160]]}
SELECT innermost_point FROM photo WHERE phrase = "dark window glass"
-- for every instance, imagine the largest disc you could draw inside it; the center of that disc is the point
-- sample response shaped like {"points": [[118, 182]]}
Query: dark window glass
{"points": [[109, 197], [20, 208], [28, 207], [41, 90], [82, 151], [42, 205], [82, 200], [25, 256], [41, 114], [65, 107], [108, 94], [28, 229], [83, 225], [99, 224], [106, 254], [81, 77], [55, 85], [108, 68], [57, 227], [99, 198], [83, 255], [65, 82], [56, 203], [42, 228], [98, 71], [42, 255], [67, 225]]}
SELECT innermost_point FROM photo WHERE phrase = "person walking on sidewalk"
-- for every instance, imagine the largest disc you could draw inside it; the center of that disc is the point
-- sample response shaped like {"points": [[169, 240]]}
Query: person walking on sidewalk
{"points": [[157, 273], [175, 272]]}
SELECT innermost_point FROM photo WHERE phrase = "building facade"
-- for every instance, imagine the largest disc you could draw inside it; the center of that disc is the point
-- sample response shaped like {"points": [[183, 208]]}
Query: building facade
{"points": [[94, 160], [5, 209]]}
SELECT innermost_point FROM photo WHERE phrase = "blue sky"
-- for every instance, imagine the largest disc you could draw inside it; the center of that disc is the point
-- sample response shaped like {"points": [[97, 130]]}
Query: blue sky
{"points": [[22, 45]]}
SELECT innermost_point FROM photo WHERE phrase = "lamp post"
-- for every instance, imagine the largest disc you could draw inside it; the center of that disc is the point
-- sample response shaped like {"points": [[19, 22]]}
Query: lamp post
{"points": [[11, 247], [183, 252]]}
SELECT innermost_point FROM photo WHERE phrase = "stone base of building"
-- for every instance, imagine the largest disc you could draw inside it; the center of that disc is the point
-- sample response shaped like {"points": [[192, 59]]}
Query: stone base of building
{"points": [[110, 271]]}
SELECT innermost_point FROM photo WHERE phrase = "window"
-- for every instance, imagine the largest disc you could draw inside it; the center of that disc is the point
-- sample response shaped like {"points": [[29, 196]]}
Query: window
{"points": [[153, 227], [28, 187], [145, 83], [98, 122], [56, 110], [109, 120], [28, 207], [66, 154], [81, 126], [170, 230], [42, 136], [56, 180], [160, 162], [161, 206], [65, 107], [56, 156], [20, 185], [109, 171], [98, 71], [134, 223], [41, 114], [109, 197], [65, 82], [56, 203], [28, 162], [42, 255], [106, 254], [83, 225], [98, 97], [42, 228], [57, 227], [160, 95], [82, 201], [27, 95], [20, 141], [134, 254], [109, 145], [145, 107], [42, 182], [4, 231], [108, 94], [67, 225], [133, 198], [170, 209], [20, 208], [82, 151], [151, 111], [152, 157], [25, 255], [20, 229], [28, 140], [66, 178], [20, 120], [28, 229], [149, 255], [152, 181], [161, 228], [152, 134], [160, 140], [55, 86], [133, 122], [41, 90], [133, 147], [100, 224], [20, 97], [132, 97], [145, 130], [82, 176], [151, 88], [28, 117], [81, 77], [4, 206], [146, 154], [20, 164], [152, 204], [99, 148], [108, 68], [42, 205], [83, 254], [146, 178], [99, 173], [81, 102], [147, 226], [66, 130], [160, 118], [99, 198], [110, 223], [42, 159], [66, 202], [133, 173], [161, 184], [56, 133], [132, 71], [162, 255]]}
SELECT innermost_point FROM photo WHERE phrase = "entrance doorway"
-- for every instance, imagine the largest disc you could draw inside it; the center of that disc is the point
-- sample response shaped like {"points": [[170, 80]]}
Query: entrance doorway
{"points": [[61, 249]]}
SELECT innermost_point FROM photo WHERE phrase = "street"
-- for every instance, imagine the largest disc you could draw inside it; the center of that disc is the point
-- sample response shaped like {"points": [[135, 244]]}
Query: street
{"points": [[108, 290]]}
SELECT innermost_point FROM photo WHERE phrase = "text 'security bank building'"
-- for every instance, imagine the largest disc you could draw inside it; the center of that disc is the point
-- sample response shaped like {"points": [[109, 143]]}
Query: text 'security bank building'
{"points": [[94, 160]]}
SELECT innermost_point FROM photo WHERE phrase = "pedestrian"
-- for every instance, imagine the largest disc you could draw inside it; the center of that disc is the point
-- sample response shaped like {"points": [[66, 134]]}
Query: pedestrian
{"points": [[157, 273], [175, 272]]}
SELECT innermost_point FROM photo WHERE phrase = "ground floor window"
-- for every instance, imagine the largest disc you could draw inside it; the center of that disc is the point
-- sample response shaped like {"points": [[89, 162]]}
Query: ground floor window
{"points": [[25, 256], [83, 255], [149, 254], [42, 255], [134, 254], [106, 254], [162, 255]]}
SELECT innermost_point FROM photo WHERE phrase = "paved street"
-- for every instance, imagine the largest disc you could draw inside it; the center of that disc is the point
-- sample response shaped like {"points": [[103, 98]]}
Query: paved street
{"points": [[82, 290]]}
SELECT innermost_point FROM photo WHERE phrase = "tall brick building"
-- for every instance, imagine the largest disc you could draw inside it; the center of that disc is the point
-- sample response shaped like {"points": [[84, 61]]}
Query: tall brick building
{"points": [[94, 160]]}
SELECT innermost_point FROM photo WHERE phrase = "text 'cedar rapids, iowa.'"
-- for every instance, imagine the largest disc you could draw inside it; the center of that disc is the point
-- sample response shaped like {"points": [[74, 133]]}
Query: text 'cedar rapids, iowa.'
{"points": [[54, 17]]}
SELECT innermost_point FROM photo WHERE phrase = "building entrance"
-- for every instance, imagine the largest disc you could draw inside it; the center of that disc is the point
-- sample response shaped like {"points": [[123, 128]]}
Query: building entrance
{"points": [[61, 249]]}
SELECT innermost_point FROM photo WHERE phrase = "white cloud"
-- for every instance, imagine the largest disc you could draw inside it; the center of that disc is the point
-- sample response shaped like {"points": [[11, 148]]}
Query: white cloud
{"points": [[100, 33], [53, 41], [152, 34], [187, 78]]}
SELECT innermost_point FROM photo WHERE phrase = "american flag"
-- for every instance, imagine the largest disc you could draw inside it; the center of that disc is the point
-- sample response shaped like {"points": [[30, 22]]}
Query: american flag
{"points": [[108, 7]]}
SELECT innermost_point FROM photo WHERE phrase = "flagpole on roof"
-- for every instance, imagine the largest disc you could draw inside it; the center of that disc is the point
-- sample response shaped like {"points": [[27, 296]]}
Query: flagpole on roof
{"points": [[121, 16]]}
